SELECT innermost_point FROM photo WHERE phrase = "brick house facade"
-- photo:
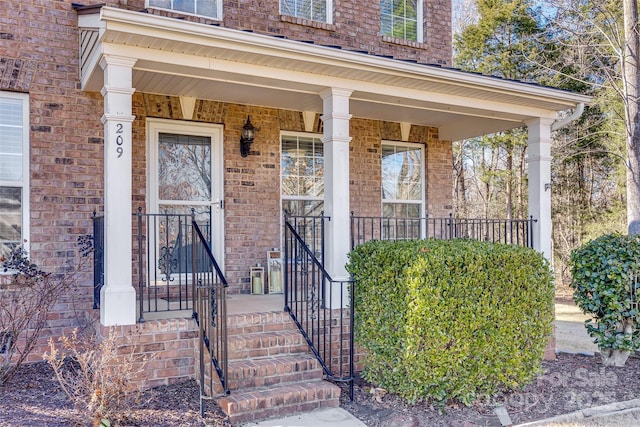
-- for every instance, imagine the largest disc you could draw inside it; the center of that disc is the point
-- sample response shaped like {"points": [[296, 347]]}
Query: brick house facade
{"points": [[85, 76]]}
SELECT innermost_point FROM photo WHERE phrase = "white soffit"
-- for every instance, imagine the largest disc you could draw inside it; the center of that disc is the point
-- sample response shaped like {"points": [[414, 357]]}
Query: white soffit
{"points": [[180, 58]]}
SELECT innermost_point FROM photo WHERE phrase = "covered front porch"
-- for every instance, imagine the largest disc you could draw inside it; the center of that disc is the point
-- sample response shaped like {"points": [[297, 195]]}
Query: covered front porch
{"points": [[148, 66]]}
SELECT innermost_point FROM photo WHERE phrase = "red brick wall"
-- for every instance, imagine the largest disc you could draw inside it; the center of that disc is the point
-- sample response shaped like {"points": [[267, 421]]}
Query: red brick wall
{"points": [[166, 347], [365, 169], [39, 56], [439, 176], [356, 26]]}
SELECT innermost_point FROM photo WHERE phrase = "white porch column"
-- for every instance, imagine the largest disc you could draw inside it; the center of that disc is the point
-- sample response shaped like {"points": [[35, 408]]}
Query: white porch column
{"points": [[117, 297], [539, 161], [336, 140]]}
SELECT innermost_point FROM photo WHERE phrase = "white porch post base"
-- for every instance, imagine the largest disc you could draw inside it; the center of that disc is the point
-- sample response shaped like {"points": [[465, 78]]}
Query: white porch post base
{"points": [[539, 161], [121, 304], [336, 141]]}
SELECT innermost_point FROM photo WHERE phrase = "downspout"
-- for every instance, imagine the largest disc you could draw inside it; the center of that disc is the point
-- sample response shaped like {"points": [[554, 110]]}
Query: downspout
{"points": [[558, 124]]}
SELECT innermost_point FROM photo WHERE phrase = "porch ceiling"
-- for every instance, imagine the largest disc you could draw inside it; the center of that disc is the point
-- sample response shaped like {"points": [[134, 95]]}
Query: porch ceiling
{"points": [[181, 58]]}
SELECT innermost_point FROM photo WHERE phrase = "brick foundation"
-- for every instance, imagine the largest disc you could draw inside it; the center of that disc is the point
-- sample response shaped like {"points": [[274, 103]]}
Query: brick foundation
{"points": [[169, 346]]}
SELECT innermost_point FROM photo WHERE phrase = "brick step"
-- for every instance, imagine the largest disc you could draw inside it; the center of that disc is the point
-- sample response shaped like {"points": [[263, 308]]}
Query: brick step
{"points": [[243, 324], [263, 344], [270, 371], [279, 401]]}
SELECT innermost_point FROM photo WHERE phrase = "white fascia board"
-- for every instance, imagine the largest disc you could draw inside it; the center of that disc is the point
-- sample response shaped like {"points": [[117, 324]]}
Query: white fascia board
{"points": [[89, 20], [212, 36]]}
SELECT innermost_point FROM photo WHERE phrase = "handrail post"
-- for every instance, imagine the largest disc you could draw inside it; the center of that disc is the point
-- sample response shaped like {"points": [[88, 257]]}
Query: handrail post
{"points": [[353, 242], [531, 231], [140, 267], [285, 285], [193, 263], [352, 309]]}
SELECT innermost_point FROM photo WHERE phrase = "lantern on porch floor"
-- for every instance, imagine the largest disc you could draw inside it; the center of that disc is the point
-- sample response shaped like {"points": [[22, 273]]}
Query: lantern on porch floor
{"points": [[257, 280], [274, 268]]}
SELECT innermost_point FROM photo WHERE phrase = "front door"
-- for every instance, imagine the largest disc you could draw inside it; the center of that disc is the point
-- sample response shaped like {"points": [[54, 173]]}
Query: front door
{"points": [[185, 176]]}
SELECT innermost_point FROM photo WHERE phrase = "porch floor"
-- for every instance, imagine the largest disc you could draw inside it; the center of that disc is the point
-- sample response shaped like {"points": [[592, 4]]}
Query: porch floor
{"points": [[236, 304]]}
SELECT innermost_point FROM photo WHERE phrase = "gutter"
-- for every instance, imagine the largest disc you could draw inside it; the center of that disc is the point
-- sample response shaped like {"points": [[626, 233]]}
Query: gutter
{"points": [[559, 124]]}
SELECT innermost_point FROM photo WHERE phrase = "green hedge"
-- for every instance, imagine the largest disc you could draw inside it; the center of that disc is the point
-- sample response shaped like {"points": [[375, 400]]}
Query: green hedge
{"points": [[453, 319]]}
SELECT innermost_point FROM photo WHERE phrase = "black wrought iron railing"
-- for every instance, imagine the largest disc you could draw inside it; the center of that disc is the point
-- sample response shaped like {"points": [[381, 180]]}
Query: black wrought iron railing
{"points": [[210, 312], [164, 261], [509, 231], [320, 306], [98, 258]]}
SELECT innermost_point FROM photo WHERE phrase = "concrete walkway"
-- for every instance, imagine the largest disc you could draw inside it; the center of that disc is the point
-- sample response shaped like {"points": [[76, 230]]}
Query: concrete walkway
{"points": [[571, 334], [333, 417]]}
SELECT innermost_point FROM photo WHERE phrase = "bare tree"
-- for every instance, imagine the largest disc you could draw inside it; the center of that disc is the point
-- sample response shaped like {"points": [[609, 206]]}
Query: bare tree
{"points": [[631, 84]]}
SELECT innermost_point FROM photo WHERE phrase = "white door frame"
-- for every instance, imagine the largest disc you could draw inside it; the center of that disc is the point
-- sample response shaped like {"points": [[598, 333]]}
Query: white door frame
{"points": [[215, 132]]}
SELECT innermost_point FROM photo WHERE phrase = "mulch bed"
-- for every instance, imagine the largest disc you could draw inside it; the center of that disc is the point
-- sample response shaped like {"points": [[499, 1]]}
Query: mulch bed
{"points": [[33, 398]]}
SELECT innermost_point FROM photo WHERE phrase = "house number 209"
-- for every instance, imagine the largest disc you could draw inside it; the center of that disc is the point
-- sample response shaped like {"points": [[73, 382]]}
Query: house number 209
{"points": [[119, 139]]}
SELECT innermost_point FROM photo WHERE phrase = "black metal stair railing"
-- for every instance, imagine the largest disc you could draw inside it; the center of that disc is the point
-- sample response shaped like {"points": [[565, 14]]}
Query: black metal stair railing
{"points": [[210, 312], [320, 307], [176, 270]]}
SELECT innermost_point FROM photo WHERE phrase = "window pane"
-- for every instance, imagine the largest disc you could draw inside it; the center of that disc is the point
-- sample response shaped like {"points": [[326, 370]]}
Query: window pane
{"points": [[165, 4], [199, 7], [398, 18], [184, 6], [207, 8], [308, 9], [402, 221], [302, 167], [303, 207], [11, 143], [10, 218], [288, 7], [303, 9], [319, 11], [401, 173], [184, 171]]}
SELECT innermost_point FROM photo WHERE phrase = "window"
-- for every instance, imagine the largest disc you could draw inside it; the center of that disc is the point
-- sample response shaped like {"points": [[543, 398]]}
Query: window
{"points": [[302, 179], [401, 19], [402, 189], [14, 170], [315, 10], [209, 8]]}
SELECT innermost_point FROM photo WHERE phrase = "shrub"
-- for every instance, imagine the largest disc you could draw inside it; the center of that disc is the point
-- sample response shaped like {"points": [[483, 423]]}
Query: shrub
{"points": [[27, 296], [102, 383], [451, 319], [604, 279]]}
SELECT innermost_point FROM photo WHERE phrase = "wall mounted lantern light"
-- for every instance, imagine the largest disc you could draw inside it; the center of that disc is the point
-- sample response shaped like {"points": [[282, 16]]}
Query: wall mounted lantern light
{"points": [[246, 139]]}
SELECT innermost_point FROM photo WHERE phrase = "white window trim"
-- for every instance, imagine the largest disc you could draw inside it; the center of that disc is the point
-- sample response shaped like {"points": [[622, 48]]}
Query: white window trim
{"points": [[218, 16], [26, 156], [422, 175], [329, 12], [420, 23]]}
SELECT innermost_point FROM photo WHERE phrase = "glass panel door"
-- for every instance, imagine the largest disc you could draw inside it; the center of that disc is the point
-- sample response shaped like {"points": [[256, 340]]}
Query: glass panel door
{"points": [[185, 177]]}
